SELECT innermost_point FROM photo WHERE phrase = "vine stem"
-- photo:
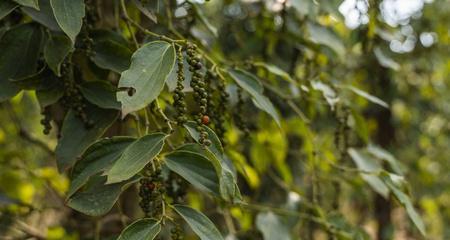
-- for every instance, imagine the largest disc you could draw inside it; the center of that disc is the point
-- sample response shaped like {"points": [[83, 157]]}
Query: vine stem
{"points": [[166, 119]]}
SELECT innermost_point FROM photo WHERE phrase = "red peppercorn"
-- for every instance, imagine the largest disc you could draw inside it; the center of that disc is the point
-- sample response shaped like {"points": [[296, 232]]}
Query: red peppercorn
{"points": [[205, 119], [151, 186]]}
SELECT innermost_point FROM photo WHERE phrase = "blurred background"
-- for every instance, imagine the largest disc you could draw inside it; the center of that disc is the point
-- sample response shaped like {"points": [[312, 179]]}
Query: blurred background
{"points": [[411, 45]]}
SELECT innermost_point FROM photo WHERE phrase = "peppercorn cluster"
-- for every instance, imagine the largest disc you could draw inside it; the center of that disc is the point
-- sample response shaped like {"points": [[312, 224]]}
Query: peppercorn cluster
{"points": [[152, 191], [46, 120], [176, 188], [176, 233], [240, 122], [217, 100], [178, 97], [88, 25], [200, 93], [73, 99]]}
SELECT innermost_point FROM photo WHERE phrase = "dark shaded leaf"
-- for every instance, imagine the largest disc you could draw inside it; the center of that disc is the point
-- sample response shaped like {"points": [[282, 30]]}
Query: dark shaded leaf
{"points": [[56, 49], [69, 16], [199, 223], [43, 16], [76, 138], [100, 93], [6, 6]]}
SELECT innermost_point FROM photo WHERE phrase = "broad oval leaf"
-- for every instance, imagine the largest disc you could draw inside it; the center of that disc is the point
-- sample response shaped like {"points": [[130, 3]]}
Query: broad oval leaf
{"points": [[47, 97], [76, 138], [150, 66], [96, 159], [199, 223], [135, 157], [100, 93], [44, 15], [112, 55], [142, 229], [56, 49], [195, 168], [6, 6], [251, 84], [97, 198], [145, 8], [69, 16], [216, 145], [326, 36], [28, 3], [20, 51]]}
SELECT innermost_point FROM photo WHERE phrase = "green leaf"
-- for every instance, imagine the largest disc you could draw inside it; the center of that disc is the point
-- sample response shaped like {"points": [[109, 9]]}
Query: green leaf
{"points": [[96, 159], [195, 168], [150, 66], [326, 36], [76, 138], [369, 97], [382, 154], [252, 85], [136, 156], [272, 227], [404, 200], [367, 164], [20, 51], [201, 16], [276, 71], [142, 229], [6, 6], [43, 16], [56, 49], [43, 79], [97, 198], [385, 60], [216, 145], [112, 55], [328, 93], [28, 3], [145, 8], [100, 93], [303, 7], [227, 179], [69, 16], [47, 97], [360, 125], [199, 223]]}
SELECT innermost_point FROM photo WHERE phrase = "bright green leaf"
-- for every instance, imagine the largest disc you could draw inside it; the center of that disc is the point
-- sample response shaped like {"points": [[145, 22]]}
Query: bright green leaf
{"points": [[326, 36], [150, 66], [69, 15], [199, 223], [275, 70], [252, 85], [142, 229], [369, 97], [135, 157]]}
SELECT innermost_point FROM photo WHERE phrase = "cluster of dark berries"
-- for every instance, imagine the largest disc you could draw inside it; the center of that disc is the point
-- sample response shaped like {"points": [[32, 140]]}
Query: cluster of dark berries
{"points": [[240, 122], [46, 120], [176, 233], [342, 131], [217, 100], [152, 191], [200, 93], [73, 99], [178, 97], [88, 25], [176, 188]]}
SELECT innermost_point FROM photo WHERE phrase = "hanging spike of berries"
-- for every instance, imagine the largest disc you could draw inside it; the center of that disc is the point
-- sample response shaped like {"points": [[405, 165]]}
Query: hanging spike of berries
{"points": [[73, 98], [200, 93], [46, 120], [178, 98], [151, 192], [240, 122]]}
